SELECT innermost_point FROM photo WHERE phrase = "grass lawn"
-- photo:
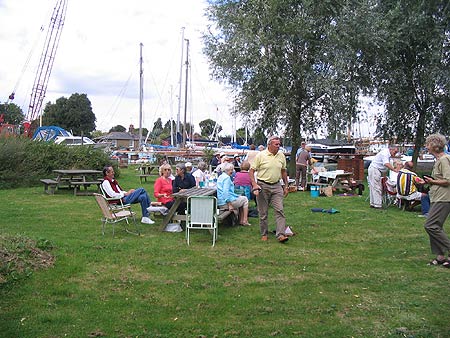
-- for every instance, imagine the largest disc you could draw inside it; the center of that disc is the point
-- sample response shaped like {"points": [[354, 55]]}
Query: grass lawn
{"points": [[358, 273]]}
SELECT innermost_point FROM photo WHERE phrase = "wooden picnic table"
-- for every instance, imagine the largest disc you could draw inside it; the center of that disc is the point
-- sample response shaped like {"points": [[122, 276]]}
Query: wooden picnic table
{"points": [[182, 196], [340, 180], [145, 170], [77, 178]]}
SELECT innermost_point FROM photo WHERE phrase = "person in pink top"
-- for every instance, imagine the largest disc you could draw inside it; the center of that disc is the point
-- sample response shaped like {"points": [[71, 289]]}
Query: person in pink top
{"points": [[163, 186], [241, 177]]}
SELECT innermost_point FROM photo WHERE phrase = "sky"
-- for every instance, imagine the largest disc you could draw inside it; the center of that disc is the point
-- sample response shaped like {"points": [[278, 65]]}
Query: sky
{"points": [[99, 53]]}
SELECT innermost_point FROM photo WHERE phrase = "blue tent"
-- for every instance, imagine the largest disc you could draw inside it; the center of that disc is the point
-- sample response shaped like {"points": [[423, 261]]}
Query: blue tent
{"points": [[49, 133]]}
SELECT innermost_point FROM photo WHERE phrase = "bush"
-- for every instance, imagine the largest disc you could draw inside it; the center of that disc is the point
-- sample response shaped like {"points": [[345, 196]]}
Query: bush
{"points": [[23, 161]]}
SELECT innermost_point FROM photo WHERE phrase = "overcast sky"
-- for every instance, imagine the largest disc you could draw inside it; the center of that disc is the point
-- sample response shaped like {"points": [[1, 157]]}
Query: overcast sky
{"points": [[98, 55]]}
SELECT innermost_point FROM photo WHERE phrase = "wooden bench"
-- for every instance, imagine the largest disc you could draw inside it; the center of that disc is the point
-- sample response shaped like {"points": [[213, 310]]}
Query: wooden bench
{"points": [[223, 215], [78, 184], [48, 182]]}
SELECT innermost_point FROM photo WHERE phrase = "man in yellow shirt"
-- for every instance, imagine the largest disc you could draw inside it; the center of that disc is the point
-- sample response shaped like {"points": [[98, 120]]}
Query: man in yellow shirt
{"points": [[270, 167]]}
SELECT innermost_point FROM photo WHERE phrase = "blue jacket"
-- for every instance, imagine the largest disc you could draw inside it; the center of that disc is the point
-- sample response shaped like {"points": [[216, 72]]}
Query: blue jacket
{"points": [[225, 190]]}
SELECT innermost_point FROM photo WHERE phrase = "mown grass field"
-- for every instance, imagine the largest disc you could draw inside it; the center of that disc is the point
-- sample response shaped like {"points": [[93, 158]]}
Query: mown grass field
{"points": [[357, 273]]}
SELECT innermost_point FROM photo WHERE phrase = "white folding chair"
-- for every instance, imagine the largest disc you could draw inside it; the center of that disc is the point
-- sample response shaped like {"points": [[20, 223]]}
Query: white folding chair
{"points": [[201, 214], [113, 214]]}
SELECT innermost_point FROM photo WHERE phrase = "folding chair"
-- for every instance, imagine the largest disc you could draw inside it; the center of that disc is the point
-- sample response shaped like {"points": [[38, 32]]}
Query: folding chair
{"points": [[201, 214], [113, 214], [114, 202], [389, 193]]}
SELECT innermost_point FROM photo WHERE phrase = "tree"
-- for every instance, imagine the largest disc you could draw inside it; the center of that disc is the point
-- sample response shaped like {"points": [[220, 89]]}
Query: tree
{"points": [[118, 128], [412, 70], [276, 56], [157, 128], [12, 113], [74, 113], [208, 127]]}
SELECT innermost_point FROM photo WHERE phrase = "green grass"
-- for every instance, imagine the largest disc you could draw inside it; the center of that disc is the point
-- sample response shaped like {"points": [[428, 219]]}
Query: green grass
{"points": [[358, 273]]}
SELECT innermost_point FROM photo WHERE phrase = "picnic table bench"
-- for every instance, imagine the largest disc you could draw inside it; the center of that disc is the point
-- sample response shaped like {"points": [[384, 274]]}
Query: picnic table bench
{"points": [[49, 183], [78, 184], [72, 178]]}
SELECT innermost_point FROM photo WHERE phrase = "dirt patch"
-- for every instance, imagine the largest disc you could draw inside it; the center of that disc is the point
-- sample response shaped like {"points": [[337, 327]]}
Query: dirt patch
{"points": [[20, 256]]}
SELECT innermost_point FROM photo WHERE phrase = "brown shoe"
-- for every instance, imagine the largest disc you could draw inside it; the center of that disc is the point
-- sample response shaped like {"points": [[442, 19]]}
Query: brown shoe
{"points": [[264, 238], [282, 239]]}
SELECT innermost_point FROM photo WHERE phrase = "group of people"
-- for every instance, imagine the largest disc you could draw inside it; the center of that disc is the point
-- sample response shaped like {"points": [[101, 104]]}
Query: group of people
{"points": [[262, 178], [267, 177], [435, 204]]}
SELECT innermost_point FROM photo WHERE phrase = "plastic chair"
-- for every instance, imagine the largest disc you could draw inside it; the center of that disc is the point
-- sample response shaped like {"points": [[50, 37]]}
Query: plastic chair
{"points": [[201, 214], [113, 214]]}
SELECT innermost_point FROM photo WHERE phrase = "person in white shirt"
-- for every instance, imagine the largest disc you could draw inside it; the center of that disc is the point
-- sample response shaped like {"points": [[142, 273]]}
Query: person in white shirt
{"points": [[113, 190], [200, 174], [379, 165]]}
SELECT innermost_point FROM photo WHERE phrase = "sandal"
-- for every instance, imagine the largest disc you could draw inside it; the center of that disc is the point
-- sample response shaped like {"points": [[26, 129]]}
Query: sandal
{"points": [[438, 262]]}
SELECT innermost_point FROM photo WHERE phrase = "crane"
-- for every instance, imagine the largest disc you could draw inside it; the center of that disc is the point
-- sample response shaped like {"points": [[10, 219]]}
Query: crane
{"points": [[45, 63]]}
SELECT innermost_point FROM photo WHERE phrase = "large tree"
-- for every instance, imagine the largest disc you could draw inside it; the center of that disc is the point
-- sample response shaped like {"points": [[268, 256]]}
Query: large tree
{"points": [[276, 56], [412, 70], [74, 113]]}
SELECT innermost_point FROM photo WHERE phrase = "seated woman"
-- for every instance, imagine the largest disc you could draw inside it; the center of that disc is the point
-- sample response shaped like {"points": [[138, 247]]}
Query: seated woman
{"points": [[227, 197], [163, 186], [242, 180]]}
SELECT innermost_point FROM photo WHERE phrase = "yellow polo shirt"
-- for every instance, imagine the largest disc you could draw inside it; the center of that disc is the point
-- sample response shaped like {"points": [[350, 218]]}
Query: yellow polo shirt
{"points": [[268, 166]]}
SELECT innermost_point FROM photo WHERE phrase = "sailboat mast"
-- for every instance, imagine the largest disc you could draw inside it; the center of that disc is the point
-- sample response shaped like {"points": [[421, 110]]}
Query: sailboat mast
{"points": [[180, 86], [141, 93], [171, 116], [186, 93]]}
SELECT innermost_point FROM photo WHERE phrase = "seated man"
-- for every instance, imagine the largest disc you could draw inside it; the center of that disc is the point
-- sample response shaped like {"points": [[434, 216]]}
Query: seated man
{"points": [[407, 189], [113, 190]]}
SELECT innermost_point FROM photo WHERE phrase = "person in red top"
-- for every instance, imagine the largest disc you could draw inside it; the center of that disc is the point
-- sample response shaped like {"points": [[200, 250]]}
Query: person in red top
{"points": [[163, 186]]}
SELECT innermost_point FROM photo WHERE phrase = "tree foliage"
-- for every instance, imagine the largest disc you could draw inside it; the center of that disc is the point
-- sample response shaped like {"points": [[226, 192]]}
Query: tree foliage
{"points": [[12, 113], [412, 69], [208, 127], [118, 128], [297, 66], [276, 56], [74, 113]]}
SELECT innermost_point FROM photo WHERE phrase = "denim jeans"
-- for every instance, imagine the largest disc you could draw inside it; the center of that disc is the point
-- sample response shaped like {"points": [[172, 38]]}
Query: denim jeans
{"points": [[139, 196], [425, 203]]}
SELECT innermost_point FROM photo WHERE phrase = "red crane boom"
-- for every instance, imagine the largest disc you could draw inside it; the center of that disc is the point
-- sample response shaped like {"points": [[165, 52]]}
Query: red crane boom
{"points": [[46, 60]]}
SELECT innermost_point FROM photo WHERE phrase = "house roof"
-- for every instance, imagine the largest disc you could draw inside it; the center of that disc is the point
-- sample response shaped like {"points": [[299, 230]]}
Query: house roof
{"points": [[117, 135]]}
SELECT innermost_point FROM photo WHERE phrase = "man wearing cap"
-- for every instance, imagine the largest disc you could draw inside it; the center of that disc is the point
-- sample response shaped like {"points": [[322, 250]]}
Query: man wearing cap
{"points": [[188, 166], [378, 166], [270, 167], [224, 158], [215, 161]]}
